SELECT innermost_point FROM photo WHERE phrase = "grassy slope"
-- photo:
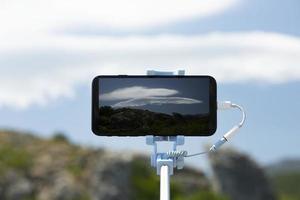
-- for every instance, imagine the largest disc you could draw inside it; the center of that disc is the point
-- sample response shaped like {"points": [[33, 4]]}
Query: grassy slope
{"points": [[21, 153]]}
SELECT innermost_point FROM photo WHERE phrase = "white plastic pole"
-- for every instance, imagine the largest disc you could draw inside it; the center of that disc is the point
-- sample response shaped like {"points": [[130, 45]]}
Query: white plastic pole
{"points": [[164, 183]]}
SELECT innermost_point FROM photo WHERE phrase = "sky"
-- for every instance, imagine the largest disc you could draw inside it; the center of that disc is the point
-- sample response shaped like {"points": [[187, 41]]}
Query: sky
{"points": [[51, 50]]}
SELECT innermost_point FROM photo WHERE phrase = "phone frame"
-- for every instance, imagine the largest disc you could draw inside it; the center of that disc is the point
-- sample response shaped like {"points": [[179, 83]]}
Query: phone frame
{"points": [[212, 102]]}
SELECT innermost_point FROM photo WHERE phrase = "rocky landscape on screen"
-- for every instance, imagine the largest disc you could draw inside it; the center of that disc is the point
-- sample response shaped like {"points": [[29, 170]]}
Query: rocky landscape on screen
{"points": [[130, 121]]}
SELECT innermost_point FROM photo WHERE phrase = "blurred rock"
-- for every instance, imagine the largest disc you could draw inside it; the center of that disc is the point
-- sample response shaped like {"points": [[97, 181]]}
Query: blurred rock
{"points": [[63, 187], [191, 179], [110, 177], [16, 186], [239, 177]]}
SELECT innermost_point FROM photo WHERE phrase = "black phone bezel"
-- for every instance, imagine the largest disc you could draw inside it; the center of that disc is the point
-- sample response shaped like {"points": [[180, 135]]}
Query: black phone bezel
{"points": [[212, 103]]}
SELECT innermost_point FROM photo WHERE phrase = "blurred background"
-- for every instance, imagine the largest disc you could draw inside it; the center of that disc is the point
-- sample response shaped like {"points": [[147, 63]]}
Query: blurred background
{"points": [[51, 50]]}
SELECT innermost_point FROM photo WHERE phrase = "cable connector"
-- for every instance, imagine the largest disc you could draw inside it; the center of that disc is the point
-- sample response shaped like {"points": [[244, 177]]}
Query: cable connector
{"points": [[218, 144], [224, 139], [224, 106], [231, 132]]}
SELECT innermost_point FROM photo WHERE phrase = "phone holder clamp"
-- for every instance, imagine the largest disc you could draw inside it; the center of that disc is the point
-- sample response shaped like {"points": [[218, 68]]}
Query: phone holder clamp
{"points": [[160, 159]]}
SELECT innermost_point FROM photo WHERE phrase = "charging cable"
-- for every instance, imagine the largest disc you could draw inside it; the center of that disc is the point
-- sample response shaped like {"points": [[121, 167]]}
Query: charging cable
{"points": [[224, 105]]}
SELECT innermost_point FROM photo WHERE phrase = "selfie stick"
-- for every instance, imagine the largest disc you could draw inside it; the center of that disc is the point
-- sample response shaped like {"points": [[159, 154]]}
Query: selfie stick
{"points": [[162, 161], [165, 162]]}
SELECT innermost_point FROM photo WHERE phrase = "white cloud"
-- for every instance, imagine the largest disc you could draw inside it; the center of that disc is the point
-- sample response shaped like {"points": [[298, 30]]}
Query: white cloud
{"points": [[41, 70], [135, 102], [136, 92], [36, 16], [37, 65], [139, 96]]}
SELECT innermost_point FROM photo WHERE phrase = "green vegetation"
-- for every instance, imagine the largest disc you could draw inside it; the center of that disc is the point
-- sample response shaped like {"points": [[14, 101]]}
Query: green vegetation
{"points": [[287, 185], [75, 165], [60, 137], [14, 158], [204, 195], [75, 169], [145, 185], [83, 196]]}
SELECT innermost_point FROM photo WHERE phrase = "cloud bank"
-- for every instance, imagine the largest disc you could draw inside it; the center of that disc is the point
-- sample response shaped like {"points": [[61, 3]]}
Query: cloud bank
{"points": [[140, 96], [39, 64], [136, 92], [136, 102], [38, 16], [36, 72]]}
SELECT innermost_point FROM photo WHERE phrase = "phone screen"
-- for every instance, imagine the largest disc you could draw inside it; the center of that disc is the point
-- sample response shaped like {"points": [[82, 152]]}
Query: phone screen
{"points": [[154, 105]]}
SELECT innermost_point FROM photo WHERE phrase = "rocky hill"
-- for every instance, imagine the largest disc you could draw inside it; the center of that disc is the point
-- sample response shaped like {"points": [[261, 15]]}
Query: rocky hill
{"points": [[33, 168]]}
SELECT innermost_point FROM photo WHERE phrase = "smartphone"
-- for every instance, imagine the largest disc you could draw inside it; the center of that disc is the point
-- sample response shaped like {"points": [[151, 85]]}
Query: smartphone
{"points": [[127, 105]]}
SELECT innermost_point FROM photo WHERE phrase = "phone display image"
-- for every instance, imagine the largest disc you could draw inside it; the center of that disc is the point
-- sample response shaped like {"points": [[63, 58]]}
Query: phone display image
{"points": [[133, 106]]}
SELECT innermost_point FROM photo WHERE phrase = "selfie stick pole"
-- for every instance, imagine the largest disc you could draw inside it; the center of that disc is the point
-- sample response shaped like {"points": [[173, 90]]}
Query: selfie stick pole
{"points": [[164, 182], [163, 162]]}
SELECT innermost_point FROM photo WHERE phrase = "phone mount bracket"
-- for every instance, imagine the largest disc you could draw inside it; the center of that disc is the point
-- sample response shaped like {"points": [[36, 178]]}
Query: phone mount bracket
{"points": [[162, 159]]}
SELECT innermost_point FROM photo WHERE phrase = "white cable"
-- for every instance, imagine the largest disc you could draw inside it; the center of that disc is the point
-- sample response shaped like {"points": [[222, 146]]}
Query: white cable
{"points": [[197, 154], [243, 113], [225, 105]]}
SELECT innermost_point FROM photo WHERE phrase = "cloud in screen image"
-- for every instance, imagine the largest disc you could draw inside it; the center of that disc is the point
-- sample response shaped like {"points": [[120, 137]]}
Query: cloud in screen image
{"points": [[137, 96]]}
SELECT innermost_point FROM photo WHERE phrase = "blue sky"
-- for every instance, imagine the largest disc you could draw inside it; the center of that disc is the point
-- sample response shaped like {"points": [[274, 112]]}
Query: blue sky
{"points": [[49, 54]]}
